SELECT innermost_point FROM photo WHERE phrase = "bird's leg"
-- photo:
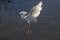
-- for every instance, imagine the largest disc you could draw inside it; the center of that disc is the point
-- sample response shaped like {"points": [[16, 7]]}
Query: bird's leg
{"points": [[29, 31]]}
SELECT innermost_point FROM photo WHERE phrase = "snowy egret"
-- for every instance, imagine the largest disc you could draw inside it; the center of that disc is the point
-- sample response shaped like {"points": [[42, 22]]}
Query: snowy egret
{"points": [[33, 14]]}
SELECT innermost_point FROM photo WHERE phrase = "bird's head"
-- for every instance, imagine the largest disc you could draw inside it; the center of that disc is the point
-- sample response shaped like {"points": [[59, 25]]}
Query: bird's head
{"points": [[23, 12]]}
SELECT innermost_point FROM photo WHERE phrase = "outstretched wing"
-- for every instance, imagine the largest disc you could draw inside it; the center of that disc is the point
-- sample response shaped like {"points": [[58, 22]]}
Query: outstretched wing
{"points": [[35, 11]]}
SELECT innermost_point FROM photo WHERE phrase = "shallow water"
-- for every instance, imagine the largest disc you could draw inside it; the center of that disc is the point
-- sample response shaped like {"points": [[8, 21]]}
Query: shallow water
{"points": [[12, 27]]}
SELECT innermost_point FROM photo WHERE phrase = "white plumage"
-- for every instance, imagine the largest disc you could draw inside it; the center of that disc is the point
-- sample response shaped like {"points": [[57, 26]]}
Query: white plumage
{"points": [[33, 14]]}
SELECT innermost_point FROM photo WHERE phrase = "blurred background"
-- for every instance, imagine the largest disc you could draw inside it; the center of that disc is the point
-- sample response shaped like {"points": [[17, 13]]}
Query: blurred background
{"points": [[12, 27]]}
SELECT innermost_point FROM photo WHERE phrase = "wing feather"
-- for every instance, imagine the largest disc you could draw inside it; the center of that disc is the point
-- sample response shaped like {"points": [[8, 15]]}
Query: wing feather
{"points": [[35, 11]]}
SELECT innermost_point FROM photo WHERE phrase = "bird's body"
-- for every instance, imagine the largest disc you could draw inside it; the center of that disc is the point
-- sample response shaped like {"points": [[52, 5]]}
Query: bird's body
{"points": [[33, 14]]}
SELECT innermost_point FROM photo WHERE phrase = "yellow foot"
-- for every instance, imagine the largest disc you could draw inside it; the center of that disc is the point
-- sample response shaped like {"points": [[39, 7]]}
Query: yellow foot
{"points": [[29, 32]]}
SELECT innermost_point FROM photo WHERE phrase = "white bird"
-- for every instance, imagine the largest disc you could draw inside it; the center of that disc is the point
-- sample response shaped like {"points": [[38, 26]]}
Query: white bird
{"points": [[33, 14]]}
